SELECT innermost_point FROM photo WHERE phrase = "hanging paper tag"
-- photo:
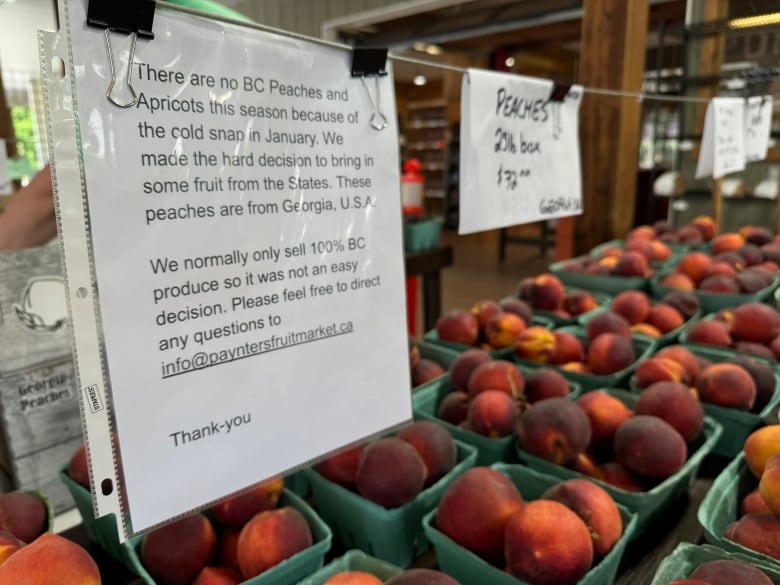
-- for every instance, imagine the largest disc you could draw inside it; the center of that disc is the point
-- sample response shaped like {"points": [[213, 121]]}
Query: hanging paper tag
{"points": [[520, 159], [5, 177], [723, 140], [247, 239], [758, 126]]}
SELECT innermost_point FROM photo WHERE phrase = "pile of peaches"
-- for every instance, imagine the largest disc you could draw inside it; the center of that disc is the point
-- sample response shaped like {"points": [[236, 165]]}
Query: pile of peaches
{"points": [[408, 577], [725, 572]]}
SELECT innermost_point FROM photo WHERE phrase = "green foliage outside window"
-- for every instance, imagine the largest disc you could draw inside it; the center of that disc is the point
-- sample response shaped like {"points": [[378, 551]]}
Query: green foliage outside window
{"points": [[22, 120]]}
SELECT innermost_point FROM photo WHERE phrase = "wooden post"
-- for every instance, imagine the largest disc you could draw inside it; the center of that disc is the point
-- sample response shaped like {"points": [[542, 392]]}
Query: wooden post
{"points": [[612, 57]]}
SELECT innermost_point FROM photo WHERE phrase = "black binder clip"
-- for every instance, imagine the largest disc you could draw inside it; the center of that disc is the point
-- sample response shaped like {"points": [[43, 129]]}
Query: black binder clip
{"points": [[371, 62], [557, 96], [559, 92], [134, 17]]}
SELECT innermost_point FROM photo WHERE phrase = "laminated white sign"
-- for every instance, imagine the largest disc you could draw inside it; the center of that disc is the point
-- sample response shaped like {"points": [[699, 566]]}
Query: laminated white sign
{"points": [[758, 127], [248, 259], [520, 157], [723, 140], [5, 178]]}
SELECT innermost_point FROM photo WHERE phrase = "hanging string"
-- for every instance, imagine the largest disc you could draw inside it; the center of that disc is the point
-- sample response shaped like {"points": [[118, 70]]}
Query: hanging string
{"points": [[425, 63]]}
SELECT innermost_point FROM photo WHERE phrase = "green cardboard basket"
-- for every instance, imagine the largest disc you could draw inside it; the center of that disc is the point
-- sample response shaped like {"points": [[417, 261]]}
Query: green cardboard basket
{"points": [[442, 355], [643, 348], [649, 504], [470, 569], [601, 298], [423, 234], [737, 424], [353, 560], [720, 507], [393, 535], [686, 557], [668, 338], [426, 399], [432, 337], [289, 571], [711, 302], [599, 282]]}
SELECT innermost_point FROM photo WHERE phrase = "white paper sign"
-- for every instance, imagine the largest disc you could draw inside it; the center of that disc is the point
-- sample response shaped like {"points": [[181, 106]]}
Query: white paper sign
{"points": [[723, 140], [248, 255], [520, 158], [758, 127], [5, 179]]}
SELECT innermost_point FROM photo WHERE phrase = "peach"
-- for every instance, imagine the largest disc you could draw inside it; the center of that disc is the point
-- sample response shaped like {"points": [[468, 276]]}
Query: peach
{"points": [[650, 447], [175, 553], [759, 532], [517, 307], [688, 582], [535, 344], [50, 558], [665, 317], [475, 509], [659, 369], [524, 289], [679, 281], [662, 226], [458, 326], [425, 371], [641, 233], [341, 468], [720, 284], [585, 463], [9, 544], [730, 572], [686, 302], [567, 348], [237, 510], [23, 514], [617, 475], [271, 537], [554, 429], [734, 259], [646, 329], [578, 302], [727, 242], [757, 322], [751, 253], [227, 549], [548, 544], [484, 311], [674, 403], [391, 473], [610, 353], [605, 413], [769, 266], [727, 385], [685, 358], [218, 576], [719, 268], [578, 367], [78, 468], [632, 305], [760, 445], [755, 234], [353, 578], [595, 507], [710, 332], [631, 263], [421, 577], [453, 407], [608, 322], [755, 349], [463, 365], [492, 413], [434, 444], [769, 485], [546, 292], [694, 265], [775, 347], [763, 376], [544, 383], [500, 375], [610, 251], [705, 225], [642, 247], [772, 251], [689, 235], [753, 503], [661, 252]]}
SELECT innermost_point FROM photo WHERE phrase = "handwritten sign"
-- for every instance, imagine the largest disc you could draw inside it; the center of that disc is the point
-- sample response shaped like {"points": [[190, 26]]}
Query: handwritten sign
{"points": [[758, 126], [246, 228], [520, 159], [723, 140]]}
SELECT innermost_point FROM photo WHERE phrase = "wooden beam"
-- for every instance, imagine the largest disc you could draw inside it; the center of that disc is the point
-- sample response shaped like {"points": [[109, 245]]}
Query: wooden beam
{"points": [[613, 57]]}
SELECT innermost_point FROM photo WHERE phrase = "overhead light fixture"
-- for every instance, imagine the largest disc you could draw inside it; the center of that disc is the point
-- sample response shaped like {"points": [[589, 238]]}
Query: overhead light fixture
{"points": [[755, 21], [509, 62], [420, 80], [434, 50]]}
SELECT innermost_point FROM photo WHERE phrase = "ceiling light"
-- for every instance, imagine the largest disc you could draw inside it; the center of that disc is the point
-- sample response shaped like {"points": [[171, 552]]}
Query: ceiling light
{"points": [[509, 62], [755, 21], [433, 50], [420, 80]]}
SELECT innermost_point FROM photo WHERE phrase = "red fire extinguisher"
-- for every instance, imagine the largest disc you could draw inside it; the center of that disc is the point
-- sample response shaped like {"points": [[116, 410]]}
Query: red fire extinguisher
{"points": [[412, 190]]}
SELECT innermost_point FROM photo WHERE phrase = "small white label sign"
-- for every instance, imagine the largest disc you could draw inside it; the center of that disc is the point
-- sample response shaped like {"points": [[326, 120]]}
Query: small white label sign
{"points": [[520, 158], [723, 140], [5, 178], [758, 127], [247, 240]]}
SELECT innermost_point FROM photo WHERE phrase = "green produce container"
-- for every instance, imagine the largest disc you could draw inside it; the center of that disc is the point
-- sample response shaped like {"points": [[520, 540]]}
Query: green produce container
{"points": [[353, 560], [297, 483], [649, 504], [669, 338], [432, 337], [686, 557], [737, 424], [643, 348], [711, 302], [102, 531], [720, 507], [288, 572], [442, 355], [426, 400], [394, 535], [469, 569], [600, 282], [423, 234], [602, 299]]}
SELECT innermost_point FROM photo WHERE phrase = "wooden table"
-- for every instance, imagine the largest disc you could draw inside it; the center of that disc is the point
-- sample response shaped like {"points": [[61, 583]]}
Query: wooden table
{"points": [[428, 264]]}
